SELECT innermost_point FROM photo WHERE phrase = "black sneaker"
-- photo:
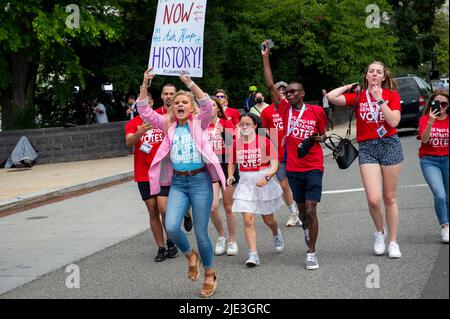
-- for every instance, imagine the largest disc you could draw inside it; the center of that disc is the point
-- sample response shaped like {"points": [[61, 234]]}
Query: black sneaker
{"points": [[162, 254], [172, 250], [187, 221]]}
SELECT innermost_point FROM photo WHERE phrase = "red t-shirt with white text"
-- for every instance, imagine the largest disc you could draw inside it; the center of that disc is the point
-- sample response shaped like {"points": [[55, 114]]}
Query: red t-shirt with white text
{"points": [[142, 161], [254, 156], [313, 122], [271, 120], [438, 143], [215, 137], [366, 126]]}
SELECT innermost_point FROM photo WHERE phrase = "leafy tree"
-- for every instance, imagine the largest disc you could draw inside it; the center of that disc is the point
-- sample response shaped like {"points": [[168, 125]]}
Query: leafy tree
{"points": [[39, 47]]}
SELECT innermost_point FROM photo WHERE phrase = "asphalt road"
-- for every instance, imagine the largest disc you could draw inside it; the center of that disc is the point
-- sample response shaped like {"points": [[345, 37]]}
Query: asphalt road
{"points": [[347, 263]]}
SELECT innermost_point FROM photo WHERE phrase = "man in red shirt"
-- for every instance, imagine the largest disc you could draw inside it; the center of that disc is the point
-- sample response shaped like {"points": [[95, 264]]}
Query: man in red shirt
{"points": [[146, 141], [167, 92], [304, 174], [272, 121]]}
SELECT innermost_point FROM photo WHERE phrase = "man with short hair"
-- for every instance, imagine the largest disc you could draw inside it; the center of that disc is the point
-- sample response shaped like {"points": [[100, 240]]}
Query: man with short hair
{"points": [[273, 122], [131, 110], [304, 174], [100, 113]]}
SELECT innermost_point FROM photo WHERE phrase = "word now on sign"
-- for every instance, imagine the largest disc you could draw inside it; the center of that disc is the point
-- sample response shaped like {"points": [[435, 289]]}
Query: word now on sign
{"points": [[177, 42]]}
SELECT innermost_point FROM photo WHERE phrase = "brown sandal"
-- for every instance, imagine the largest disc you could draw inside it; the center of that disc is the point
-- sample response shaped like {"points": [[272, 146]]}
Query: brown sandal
{"points": [[193, 271], [209, 289]]}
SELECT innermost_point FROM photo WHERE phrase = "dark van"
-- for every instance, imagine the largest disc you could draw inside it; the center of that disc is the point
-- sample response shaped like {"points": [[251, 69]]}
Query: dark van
{"points": [[414, 93]]}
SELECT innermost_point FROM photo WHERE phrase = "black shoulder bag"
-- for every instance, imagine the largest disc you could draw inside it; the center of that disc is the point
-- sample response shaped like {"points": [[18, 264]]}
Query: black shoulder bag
{"points": [[343, 150]]}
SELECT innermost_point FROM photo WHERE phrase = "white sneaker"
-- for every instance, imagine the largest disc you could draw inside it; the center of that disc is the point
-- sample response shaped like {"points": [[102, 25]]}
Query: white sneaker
{"points": [[278, 242], [232, 249], [311, 261], [379, 246], [394, 250], [220, 246], [253, 259], [293, 220], [444, 234]]}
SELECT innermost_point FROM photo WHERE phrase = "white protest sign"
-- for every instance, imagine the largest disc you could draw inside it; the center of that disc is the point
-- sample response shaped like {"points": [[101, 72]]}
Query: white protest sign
{"points": [[177, 42]]}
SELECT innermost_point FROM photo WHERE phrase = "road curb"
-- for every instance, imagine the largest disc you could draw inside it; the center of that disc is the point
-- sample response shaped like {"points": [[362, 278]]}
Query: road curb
{"points": [[36, 199]]}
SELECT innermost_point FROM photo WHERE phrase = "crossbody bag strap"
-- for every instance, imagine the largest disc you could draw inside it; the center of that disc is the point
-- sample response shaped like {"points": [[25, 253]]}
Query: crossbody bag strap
{"points": [[349, 130]]}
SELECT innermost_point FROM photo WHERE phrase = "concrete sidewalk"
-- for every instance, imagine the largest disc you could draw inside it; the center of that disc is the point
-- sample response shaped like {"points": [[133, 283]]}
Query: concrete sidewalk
{"points": [[22, 188]]}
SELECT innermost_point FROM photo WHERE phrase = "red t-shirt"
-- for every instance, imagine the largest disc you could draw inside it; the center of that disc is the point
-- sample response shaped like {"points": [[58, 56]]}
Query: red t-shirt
{"points": [[161, 110], [253, 156], [232, 115], [272, 120], [142, 161], [366, 126], [313, 121], [215, 136], [438, 143]]}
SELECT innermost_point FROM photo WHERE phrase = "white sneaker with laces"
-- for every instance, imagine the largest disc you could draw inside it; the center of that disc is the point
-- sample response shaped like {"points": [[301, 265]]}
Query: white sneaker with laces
{"points": [[311, 261], [444, 234], [379, 246], [232, 249], [253, 259], [220, 246], [278, 242], [293, 220], [394, 250]]}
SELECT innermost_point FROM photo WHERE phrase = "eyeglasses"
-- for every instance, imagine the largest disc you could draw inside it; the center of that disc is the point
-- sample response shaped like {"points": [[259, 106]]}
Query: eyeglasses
{"points": [[291, 91], [220, 96]]}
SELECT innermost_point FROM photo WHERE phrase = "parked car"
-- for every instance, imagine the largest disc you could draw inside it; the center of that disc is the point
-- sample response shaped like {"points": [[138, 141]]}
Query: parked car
{"points": [[414, 93], [445, 81]]}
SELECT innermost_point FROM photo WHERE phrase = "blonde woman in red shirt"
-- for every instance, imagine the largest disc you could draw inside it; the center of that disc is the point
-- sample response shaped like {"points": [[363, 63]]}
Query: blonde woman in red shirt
{"points": [[380, 150], [433, 154]]}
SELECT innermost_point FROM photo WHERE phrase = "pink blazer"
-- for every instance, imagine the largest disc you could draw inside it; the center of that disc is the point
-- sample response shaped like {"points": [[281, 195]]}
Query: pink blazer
{"points": [[160, 171]]}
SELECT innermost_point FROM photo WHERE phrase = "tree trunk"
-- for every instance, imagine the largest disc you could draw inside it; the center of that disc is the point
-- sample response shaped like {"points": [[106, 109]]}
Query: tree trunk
{"points": [[19, 95]]}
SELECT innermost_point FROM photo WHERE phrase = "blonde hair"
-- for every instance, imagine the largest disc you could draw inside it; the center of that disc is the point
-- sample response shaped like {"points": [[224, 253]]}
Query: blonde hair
{"points": [[388, 82], [171, 118]]}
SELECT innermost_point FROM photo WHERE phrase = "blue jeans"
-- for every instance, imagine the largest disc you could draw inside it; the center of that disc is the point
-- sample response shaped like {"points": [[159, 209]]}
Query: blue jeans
{"points": [[195, 191], [435, 171]]}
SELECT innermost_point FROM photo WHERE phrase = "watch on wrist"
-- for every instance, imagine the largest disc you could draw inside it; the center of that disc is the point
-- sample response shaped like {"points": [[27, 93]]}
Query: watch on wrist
{"points": [[380, 102], [267, 178]]}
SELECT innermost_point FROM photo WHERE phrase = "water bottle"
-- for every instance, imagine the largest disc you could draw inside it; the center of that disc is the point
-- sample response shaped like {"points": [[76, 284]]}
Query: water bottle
{"points": [[269, 42]]}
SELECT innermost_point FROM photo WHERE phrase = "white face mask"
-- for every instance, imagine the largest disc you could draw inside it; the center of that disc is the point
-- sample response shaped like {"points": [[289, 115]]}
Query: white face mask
{"points": [[247, 131]]}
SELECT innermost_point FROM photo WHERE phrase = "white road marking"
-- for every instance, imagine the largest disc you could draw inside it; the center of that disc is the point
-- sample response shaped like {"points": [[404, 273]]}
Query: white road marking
{"points": [[353, 190]]}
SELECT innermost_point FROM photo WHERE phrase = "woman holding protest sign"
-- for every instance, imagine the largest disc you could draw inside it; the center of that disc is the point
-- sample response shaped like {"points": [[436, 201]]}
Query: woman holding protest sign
{"points": [[380, 150], [187, 162]]}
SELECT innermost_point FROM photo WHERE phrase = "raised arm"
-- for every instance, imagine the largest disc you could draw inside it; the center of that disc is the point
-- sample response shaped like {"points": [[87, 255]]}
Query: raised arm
{"points": [[203, 100], [336, 96], [276, 98], [145, 111]]}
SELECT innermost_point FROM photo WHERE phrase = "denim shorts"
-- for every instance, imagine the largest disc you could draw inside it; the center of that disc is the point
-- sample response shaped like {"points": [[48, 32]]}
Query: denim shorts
{"points": [[306, 185], [384, 151], [281, 172]]}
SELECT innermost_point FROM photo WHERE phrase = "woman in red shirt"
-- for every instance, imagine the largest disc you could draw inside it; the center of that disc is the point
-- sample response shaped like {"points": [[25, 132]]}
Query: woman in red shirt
{"points": [[256, 193], [380, 150], [433, 154], [220, 135]]}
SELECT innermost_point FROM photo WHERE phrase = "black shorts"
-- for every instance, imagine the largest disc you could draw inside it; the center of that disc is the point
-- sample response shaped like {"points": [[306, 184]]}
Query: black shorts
{"points": [[225, 171], [306, 185], [144, 189]]}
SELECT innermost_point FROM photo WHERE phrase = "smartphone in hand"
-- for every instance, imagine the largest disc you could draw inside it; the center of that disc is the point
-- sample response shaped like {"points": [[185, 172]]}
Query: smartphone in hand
{"points": [[436, 106]]}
